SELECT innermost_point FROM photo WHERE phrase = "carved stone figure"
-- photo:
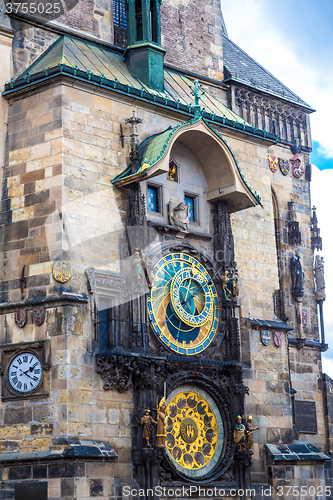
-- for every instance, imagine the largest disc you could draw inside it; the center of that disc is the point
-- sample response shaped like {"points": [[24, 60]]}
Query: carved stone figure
{"points": [[297, 276], [147, 423], [320, 279], [161, 424], [239, 434], [249, 432], [179, 216], [138, 275]]}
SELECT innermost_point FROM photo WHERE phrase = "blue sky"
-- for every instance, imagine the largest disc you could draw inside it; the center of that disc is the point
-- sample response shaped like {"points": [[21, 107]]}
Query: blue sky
{"points": [[293, 39]]}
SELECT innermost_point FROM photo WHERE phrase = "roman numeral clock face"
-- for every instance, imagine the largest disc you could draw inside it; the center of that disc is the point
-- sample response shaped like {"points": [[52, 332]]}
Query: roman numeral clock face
{"points": [[183, 304], [25, 372]]}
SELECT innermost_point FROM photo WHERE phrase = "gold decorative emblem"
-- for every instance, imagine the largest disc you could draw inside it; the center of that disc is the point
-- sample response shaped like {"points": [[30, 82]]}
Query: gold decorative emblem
{"points": [[62, 270], [188, 430], [192, 431]]}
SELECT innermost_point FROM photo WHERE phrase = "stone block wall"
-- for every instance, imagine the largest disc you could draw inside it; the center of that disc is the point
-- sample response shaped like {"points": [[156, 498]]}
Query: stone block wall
{"points": [[192, 35], [65, 479]]}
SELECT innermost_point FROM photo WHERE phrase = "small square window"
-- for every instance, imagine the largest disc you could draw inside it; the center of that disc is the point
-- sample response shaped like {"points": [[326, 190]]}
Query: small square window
{"points": [[154, 198], [191, 202]]}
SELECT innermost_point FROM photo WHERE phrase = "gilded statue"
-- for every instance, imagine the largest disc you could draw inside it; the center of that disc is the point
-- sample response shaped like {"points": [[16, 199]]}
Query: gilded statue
{"points": [[161, 424], [147, 423], [249, 432]]}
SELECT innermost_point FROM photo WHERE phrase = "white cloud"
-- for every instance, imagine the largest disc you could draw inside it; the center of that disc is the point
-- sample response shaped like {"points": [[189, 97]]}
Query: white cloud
{"points": [[264, 40], [328, 366]]}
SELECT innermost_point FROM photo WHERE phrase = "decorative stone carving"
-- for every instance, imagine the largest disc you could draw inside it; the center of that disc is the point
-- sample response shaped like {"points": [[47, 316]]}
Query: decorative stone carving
{"points": [[294, 234], [178, 216], [316, 240], [123, 372], [287, 122], [320, 279], [20, 317], [38, 315], [297, 276]]}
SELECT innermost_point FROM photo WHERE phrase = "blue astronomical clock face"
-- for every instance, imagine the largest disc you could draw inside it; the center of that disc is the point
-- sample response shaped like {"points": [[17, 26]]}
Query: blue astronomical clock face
{"points": [[183, 304]]}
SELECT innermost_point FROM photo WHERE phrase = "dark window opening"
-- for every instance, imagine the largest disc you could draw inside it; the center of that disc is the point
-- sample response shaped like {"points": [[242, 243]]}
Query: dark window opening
{"points": [[120, 23], [123, 326], [153, 22], [138, 20]]}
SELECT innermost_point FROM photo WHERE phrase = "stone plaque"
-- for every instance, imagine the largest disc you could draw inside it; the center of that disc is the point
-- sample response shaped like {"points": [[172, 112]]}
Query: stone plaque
{"points": [[31, 491], [306, 417]]}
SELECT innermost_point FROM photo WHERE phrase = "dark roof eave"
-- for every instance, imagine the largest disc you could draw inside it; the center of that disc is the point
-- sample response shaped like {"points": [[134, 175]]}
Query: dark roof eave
{"points": [[301, 104]]}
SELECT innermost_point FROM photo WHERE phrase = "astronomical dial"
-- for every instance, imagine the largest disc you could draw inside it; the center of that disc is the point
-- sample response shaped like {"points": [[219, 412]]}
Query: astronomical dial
{"points": [[25, 372], [183, 304]]}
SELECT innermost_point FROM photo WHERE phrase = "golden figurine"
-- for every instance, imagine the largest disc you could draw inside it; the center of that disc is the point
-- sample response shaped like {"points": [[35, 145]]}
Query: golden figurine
{"points": [[239, 434], [249, 432], [225, 283], [172, 171], [161, 424], [147, 423]]}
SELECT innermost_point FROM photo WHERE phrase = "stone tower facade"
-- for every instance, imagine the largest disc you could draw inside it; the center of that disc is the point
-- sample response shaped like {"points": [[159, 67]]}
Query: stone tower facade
{"points": [[157, 253]]}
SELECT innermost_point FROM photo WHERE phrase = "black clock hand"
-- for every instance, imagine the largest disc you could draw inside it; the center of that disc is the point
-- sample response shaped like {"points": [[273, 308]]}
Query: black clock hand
{"points": [[32, 378], [26, 373]]}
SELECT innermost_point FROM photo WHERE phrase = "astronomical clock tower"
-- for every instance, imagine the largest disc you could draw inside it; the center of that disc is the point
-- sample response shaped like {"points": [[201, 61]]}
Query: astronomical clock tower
{"points": [[157, 262]]}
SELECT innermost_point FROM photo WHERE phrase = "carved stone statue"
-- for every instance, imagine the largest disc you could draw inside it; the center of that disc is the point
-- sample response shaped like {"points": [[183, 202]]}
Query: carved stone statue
{"points": [[297, 276], [249, 432], [239, 434], [320, 279], [147, 423], [161, 424], [179, 216]]}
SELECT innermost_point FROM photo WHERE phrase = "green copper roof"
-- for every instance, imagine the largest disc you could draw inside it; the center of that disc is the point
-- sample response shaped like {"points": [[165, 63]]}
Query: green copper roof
{"points": [[152, 150], [106, 64], [105, 67], [155, 147]]}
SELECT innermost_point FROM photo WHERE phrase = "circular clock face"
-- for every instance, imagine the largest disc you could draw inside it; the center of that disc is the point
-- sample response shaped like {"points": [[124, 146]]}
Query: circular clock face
{"points": [[183, 304], [25, 372], [195, 432]]}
